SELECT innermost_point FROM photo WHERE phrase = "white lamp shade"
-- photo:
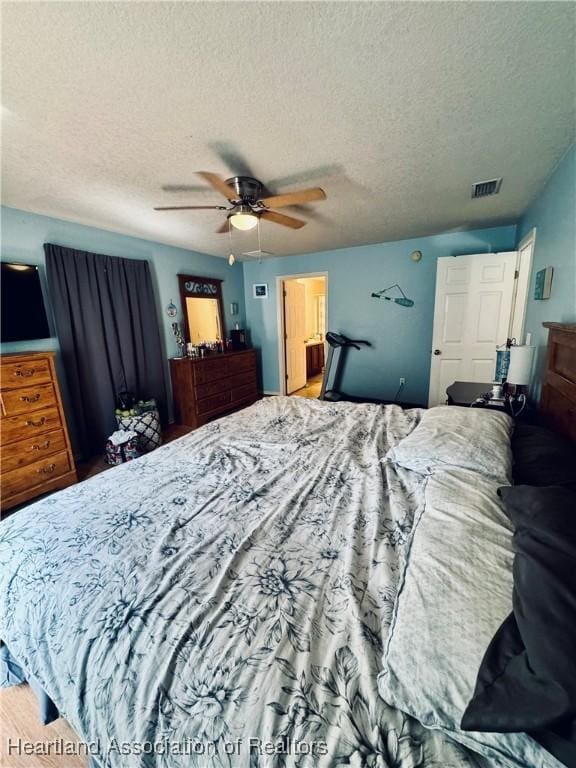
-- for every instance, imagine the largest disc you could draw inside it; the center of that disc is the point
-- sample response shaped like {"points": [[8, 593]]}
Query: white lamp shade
{"points": [[520, 368]]}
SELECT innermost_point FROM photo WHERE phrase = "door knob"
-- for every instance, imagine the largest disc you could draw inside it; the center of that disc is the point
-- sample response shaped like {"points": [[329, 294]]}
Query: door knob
{"points": [[437, 351]]}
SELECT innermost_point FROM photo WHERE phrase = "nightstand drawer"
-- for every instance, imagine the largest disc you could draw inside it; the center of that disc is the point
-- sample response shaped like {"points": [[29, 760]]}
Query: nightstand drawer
{"points": [[17, 401], [25, 374], [29, 424], [32, 449], [35, 474]]}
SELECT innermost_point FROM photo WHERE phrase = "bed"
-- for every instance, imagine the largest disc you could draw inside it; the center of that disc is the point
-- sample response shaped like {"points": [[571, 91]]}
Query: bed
{"points": [[226, 600]]}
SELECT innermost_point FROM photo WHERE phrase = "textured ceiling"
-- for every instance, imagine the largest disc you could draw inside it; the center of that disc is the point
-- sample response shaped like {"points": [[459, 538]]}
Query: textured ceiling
{"points": [[393, 108]]}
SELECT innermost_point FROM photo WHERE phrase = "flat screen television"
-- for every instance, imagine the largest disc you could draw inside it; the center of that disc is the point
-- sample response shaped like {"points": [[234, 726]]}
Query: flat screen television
{"points": [[23, 310]]}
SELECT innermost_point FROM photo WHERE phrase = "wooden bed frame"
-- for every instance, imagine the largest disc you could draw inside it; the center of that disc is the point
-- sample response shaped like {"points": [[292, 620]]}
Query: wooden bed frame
{"points": [[558, 399]]}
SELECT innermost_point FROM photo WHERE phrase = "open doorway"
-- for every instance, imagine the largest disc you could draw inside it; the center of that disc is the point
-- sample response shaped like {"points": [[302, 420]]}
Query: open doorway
{"points": [[302, 332]]}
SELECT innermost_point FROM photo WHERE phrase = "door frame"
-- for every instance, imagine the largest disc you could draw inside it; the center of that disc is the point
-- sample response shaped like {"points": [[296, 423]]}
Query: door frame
{"points": [[522, 287], [280, 319], [520, 293]]}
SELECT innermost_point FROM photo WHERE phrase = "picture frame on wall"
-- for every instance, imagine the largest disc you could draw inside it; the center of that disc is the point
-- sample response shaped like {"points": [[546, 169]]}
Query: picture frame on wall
{"points": [[260, 290], [543, 285]]}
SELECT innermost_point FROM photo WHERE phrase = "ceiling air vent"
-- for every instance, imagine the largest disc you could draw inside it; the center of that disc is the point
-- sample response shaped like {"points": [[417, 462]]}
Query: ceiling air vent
{"points": [[486, 188], [258, 254]]}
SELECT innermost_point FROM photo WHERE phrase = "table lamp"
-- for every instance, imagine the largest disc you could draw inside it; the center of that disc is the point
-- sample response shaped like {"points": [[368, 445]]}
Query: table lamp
{"points": [[518, 377], [520, 366]]}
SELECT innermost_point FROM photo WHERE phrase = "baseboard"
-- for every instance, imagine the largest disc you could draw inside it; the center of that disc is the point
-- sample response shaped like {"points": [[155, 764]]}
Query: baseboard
{"points": [[267, 393]]}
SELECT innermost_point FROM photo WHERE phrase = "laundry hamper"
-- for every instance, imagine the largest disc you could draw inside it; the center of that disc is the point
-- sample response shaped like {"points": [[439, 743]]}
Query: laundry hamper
{"points": [[146, 423]]}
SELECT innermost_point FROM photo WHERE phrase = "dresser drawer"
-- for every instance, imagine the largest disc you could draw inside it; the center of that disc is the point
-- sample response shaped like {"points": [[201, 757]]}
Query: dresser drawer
{"points": [[32, 449], [16, 401], [29, 424], [35, 474], [212, 388], [241, 363], [248, 377], [214, 403], [244, 393], [13, 375], [210, 370], [225, 384]]}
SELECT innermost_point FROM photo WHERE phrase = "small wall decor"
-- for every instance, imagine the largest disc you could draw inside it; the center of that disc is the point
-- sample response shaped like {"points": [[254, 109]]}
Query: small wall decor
{"points": [[543, 286], [177, 331], [402, 300], [416, 255], [171, 309], [260, 290], [234, 308]]}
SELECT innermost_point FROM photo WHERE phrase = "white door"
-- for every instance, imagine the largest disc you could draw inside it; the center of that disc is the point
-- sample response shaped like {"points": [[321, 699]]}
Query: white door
{"points": [[472, 315], [295, 329]]}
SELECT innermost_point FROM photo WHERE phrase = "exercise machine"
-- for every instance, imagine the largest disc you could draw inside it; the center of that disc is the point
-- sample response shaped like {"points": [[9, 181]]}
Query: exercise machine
{"points": [[338, 342]]}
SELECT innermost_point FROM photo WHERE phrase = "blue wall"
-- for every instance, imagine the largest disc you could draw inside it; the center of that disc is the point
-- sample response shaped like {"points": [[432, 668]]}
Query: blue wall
{"points": [[401, 338], [554, 216], [23, 237]]}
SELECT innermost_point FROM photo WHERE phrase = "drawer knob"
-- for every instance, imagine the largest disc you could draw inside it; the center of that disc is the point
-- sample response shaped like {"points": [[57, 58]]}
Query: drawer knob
{"points": [[38, 447], [30, 398], [26, 372], [39, 423], [47, 470]]}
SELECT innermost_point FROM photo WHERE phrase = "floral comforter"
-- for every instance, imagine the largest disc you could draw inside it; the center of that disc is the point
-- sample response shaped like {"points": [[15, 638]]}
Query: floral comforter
{"points": [[224, 600]]}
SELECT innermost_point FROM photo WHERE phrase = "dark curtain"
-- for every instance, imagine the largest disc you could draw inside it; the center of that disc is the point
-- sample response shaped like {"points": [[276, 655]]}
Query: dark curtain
{"points": [[109, 335]]}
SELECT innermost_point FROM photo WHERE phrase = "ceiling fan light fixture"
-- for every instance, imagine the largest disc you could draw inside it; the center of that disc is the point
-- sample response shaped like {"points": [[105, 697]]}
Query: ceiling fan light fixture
{"points": [[247, 207], [244, 219]]}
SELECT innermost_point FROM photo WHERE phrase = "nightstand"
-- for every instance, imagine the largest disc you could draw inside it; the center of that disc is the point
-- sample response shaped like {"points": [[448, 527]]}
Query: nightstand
{"points": [[466, 392]]}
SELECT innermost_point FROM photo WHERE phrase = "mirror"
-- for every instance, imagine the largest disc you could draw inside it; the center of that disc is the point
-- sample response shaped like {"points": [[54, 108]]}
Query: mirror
{"points": [[320, 314], [203, 320], [202, 309]]}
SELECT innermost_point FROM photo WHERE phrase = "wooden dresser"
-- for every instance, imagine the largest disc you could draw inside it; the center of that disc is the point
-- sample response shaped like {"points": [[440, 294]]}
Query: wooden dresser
{"points": [[205, 388], [558, 398], [36, 456]]}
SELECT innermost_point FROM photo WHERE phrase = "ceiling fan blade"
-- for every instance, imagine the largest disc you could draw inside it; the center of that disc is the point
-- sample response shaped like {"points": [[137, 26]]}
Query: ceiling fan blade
{"points": [[295, 198], [280, 218], [224, 228], [192, 208], [218, 183]]}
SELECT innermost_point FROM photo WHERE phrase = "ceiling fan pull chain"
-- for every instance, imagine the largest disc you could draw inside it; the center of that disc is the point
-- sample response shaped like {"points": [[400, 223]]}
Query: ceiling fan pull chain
{"points": [[231, 257]]}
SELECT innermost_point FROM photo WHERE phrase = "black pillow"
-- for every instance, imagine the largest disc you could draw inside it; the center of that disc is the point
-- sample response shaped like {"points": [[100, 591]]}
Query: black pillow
{"points": [[542, 457], [527, 679]]}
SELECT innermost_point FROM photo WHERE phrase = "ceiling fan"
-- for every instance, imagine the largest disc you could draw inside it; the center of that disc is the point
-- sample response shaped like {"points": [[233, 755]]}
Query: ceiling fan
{"points": [[247, 205]]}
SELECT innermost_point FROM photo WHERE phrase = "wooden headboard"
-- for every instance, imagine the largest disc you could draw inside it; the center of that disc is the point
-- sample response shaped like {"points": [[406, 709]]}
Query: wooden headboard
{"points": [[558, 399]]}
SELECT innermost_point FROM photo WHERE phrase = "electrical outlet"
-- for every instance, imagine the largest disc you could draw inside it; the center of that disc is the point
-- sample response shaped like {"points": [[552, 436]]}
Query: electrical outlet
{"points": [[402, 381]]}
